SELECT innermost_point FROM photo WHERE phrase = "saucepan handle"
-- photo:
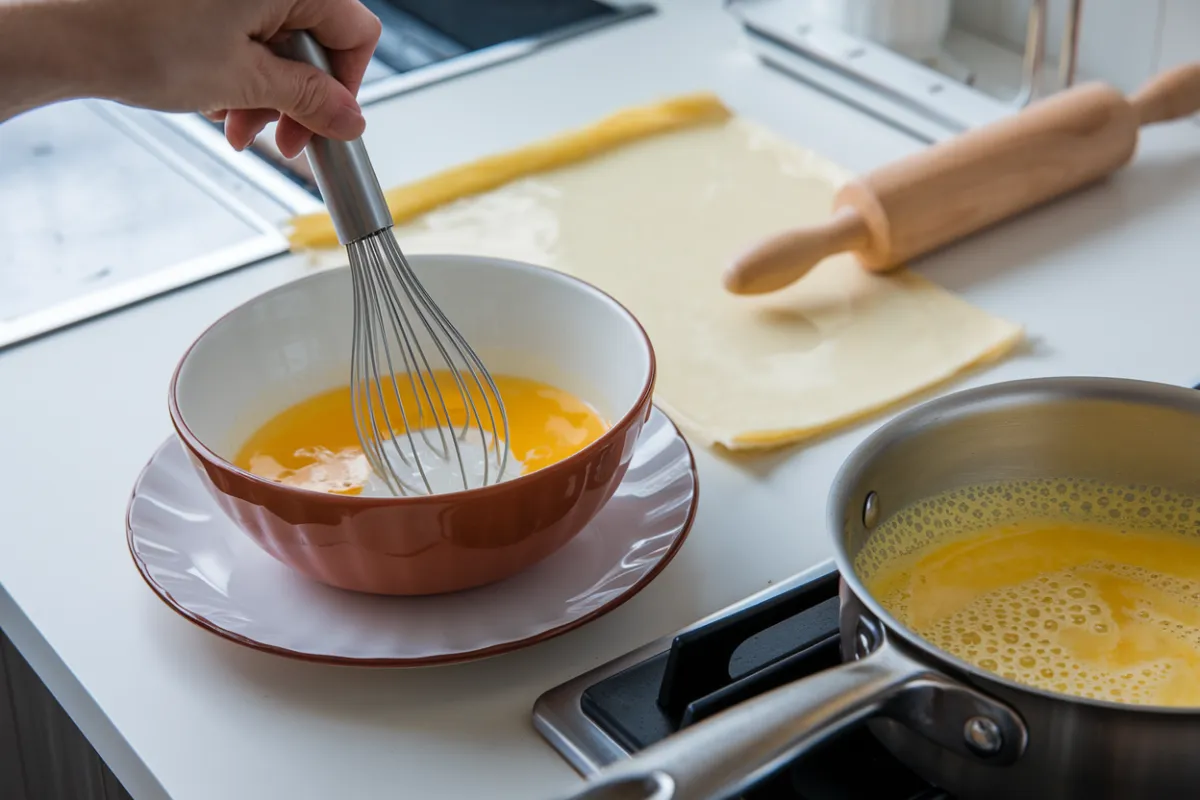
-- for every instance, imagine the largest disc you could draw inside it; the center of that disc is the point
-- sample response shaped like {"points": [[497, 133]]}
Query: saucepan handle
{"points": [[729, 752]]}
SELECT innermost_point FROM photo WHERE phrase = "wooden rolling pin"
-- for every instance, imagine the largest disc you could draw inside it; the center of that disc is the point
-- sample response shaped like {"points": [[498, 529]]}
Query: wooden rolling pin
{"points": [[967, 183]]}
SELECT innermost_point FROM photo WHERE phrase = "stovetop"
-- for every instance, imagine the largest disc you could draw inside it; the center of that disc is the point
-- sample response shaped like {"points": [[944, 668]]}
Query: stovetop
{"points": [[781, 634], [778, 635]]}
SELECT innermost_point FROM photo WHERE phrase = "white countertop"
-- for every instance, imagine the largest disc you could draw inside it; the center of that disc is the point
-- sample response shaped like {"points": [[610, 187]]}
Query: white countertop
{"points": [[1106, 283]]}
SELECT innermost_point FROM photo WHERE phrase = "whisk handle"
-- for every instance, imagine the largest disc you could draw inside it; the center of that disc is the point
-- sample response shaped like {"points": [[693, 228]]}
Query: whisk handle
{"points": [[343, 170]]}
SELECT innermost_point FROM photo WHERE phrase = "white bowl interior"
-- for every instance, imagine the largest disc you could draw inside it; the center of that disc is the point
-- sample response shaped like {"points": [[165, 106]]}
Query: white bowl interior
{"points": [[294, 341]]}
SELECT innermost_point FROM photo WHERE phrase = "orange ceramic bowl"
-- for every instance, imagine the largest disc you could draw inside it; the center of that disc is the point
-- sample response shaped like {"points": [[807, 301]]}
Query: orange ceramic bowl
{"points": [[294, 341]]}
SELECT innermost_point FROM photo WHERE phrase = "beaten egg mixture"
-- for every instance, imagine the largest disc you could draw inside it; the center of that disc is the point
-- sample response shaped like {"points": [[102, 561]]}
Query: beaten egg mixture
{"points": [[313, 444], [1074, 587]]}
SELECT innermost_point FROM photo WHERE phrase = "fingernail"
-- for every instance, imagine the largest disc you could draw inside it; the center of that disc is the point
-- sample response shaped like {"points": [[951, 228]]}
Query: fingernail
{"points": [[347, 123]]}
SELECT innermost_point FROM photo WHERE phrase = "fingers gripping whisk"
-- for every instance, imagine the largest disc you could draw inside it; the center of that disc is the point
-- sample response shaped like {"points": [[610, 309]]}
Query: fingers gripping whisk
{"points": [[427, 412]]}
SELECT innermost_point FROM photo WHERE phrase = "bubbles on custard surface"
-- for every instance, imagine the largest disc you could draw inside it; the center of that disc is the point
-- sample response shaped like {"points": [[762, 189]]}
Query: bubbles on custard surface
{"points": [[982, 507], [1089, 626], [1083, 645]]}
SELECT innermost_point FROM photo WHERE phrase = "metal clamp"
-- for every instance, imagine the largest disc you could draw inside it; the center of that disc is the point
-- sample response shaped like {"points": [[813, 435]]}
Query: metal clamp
{"points": [[1035, 49]]}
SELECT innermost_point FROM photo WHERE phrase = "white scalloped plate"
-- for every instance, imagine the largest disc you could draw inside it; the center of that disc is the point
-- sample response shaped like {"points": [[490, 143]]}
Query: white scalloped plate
{"points": [[204, 567]]}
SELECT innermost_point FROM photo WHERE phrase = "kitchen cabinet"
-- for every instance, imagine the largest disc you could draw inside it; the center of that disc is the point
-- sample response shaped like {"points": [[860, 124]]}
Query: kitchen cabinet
{"points": [[43, 756]]}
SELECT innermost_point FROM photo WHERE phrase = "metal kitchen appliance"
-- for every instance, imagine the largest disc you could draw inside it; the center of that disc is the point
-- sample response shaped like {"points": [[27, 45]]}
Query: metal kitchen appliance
{"points": [[930, 100], [784, 633], [971, 730], [102, 206]]}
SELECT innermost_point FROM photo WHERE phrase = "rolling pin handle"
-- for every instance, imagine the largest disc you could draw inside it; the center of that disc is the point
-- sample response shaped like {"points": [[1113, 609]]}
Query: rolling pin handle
{"points": [[1172, 95], [784, 259]]}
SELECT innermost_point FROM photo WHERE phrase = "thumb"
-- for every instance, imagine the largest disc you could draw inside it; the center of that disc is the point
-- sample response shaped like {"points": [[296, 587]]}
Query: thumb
{"points": [[312, 98]]}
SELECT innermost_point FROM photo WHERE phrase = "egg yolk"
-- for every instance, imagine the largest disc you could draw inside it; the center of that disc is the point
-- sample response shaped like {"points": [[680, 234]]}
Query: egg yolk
{"points": [[314, 445]]}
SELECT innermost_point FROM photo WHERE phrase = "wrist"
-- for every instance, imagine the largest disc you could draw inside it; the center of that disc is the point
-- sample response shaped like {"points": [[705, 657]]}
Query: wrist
{"points": [[46, 54]]}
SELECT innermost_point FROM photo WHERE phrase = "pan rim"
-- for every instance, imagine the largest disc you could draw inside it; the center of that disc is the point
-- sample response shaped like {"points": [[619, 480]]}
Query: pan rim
{"points": [[971, 401]]}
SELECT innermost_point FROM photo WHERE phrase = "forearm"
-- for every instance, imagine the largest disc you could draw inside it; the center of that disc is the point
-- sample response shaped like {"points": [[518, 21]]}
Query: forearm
{"points": [[191, 55], [44, 54]]}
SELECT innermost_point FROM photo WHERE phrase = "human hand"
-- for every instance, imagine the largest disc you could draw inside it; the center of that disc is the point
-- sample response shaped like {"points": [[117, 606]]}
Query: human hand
{"points": [[214, 56]]}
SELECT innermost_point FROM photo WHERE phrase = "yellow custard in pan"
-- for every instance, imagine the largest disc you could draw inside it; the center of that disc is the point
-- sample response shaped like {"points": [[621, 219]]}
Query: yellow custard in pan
{"points": [[1074, 587], [313, 444]]}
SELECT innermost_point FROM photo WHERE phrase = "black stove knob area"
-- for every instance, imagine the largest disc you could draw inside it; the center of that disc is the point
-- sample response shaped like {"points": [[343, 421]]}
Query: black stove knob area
{"points": [[744, 647], [852, 767], [738, 656]]}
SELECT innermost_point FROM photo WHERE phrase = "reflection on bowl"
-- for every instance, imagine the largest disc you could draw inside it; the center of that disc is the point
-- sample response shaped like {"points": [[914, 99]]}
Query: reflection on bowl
{"points": [[294, 342]]}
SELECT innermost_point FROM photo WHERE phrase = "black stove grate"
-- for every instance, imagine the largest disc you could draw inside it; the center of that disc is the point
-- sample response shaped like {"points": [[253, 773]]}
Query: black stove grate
{"points": [[741, 655]]}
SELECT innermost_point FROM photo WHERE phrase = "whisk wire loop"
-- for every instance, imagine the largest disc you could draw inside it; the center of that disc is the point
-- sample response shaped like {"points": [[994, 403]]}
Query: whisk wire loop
{"points": [[360, 393], [416, 363], [472, 364], [369, 322], [396, 373]]}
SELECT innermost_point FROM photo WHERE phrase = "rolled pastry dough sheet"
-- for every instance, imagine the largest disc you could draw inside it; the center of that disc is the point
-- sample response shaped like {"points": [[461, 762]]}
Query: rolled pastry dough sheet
{"points": [[654, 223]]}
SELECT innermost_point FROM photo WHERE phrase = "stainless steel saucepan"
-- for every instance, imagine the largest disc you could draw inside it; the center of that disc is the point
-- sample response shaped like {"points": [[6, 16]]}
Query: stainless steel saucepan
{"points": [[966, 730]]}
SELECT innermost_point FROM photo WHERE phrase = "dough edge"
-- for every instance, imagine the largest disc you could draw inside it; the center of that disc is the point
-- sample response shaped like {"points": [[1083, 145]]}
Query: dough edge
{"points": [[410, 200], [747, 442]]}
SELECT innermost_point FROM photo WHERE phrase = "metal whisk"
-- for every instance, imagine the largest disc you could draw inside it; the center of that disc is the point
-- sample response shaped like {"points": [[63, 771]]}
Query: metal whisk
{"points": [[402, 339]]}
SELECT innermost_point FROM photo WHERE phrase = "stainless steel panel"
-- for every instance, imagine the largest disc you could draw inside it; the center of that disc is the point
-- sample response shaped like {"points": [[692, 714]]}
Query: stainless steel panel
{"points": [[96, 214], [558, 714]]}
